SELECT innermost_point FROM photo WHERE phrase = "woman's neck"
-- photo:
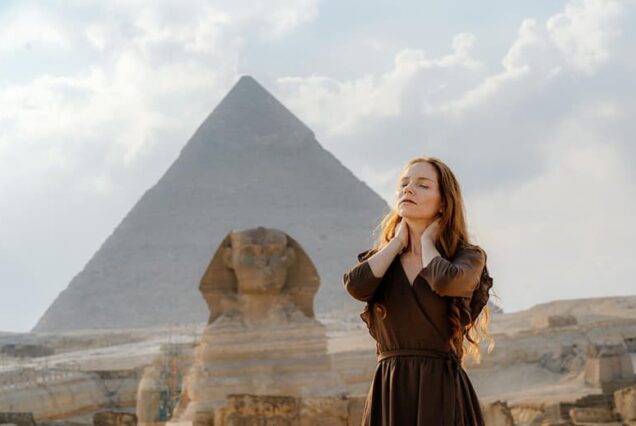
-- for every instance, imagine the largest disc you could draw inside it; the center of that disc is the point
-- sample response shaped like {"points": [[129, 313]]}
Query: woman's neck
{"points": [[416, 228]]}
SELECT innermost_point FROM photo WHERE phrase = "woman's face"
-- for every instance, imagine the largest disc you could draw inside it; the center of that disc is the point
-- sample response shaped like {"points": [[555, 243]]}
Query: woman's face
{"points": [[418, 195]]}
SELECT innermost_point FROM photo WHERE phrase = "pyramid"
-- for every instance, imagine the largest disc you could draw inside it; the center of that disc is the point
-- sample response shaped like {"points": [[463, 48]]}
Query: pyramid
{"points": [[251, 163]]}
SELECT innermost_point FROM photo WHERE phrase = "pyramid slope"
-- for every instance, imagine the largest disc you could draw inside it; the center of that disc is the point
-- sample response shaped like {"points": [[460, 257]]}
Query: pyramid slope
{"points": [[250, 163]]}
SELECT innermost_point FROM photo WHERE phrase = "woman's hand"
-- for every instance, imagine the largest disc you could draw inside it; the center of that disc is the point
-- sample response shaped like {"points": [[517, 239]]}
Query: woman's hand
{"points": [[402, 234], [427, 242]]}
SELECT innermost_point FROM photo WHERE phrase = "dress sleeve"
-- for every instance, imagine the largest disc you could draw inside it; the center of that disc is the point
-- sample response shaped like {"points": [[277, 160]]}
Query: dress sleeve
{"points": [[359, 281], [456, 278]]}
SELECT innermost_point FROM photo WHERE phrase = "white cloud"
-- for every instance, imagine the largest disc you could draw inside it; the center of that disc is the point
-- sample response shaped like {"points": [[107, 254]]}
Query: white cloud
{"points": [[584, 31], [27, 27], [579, 39], [165, 58], [340, 106]]}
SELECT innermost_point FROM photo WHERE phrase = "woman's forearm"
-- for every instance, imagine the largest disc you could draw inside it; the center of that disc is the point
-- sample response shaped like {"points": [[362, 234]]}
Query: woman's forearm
{"points": [[381, 260]]}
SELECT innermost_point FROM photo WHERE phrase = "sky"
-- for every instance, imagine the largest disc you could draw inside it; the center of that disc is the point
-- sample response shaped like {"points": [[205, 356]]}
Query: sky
{"points": [[530, 103]]}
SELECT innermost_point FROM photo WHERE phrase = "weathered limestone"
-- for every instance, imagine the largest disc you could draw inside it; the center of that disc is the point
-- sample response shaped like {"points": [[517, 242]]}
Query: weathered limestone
{"points": [[592, 415], [56, 394], [17, 418], [283, 410], [160, 385], [25, 350], [625, 400], [498, 414], [114, 418], [355, 368], [527, 413], [608, 362], [552, 321], [262, 337]]}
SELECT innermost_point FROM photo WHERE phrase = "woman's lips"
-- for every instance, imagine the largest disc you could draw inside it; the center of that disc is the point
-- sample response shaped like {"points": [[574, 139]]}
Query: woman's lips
{"points": [[408, 201]]}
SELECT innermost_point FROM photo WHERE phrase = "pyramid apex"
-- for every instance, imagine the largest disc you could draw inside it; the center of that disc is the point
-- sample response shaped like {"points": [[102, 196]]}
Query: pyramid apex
{"points": [[246, 78], [249, 81]]}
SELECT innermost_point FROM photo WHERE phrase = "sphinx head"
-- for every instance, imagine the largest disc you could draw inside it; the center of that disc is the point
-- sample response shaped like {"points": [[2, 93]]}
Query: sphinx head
{"points": [[260, 258]]}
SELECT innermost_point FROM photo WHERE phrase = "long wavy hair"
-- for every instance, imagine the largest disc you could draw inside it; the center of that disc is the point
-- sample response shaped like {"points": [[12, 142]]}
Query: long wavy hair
{"points": [[466, 332]]}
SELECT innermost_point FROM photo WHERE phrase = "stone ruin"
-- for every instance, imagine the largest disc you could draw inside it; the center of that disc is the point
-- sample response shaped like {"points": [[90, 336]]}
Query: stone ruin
{"points": [[262, 337], [609, 365], [553, 321]]}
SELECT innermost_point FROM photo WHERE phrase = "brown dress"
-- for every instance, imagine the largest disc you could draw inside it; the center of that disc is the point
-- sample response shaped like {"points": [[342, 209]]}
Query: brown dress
{"points": [[418, 380]]}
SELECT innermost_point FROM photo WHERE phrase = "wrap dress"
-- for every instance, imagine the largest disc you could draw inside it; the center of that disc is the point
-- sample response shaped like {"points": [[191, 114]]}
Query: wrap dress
{"points": [[418, 380]]}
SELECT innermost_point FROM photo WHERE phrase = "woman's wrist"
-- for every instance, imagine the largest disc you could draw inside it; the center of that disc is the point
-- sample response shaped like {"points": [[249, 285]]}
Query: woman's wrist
{"points": [[396, 245], [429, 252]]}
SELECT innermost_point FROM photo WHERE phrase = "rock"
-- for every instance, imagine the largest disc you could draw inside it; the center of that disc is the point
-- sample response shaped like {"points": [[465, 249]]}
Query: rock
{"points": [[17, 418], [592, 414], [114, 418], [625, 401], [248, 410], [498, 414], [608, 362], [553, 321]]}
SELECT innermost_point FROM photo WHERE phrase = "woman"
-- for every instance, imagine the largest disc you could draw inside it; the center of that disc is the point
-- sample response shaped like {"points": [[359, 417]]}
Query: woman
{"points": [[418, 282]]}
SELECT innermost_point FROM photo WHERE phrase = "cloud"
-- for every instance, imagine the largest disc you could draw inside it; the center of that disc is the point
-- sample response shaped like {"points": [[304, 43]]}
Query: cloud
{"points": [[159, 59], [26, 27], [577, 40], [339, 107], [584, 31]]}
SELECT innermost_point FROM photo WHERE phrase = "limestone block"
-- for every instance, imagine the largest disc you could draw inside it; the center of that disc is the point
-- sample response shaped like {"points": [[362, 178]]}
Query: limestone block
{"points": [[114, 418], [258, 410], [591, 414], [17, 418], [527, 413], [609, 368], [203, 418], [552, 321], [327, 411], [625, 400], [275, 410], [498, 414]]}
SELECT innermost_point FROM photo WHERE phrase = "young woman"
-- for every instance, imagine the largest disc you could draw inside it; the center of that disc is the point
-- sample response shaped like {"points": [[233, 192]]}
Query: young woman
{"points": [[418, 282]]}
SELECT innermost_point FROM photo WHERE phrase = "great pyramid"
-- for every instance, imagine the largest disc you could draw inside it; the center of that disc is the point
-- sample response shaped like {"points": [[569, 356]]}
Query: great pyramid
{"points": [[251, 162]]}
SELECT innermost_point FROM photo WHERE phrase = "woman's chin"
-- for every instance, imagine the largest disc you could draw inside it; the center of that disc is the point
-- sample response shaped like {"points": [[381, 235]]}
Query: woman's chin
{"points": [[406, 214]]}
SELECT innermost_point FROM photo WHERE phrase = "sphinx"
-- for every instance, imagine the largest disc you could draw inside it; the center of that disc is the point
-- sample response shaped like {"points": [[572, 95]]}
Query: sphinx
{"points": [[262, 337]]}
